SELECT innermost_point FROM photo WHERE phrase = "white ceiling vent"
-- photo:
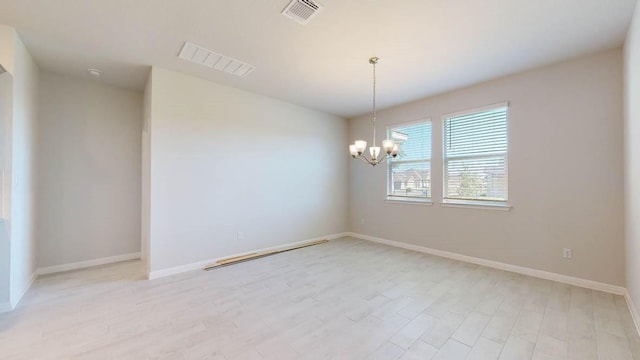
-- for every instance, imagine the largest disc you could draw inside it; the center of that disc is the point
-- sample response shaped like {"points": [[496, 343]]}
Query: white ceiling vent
{"points": [[302, 11], [199, 55]]}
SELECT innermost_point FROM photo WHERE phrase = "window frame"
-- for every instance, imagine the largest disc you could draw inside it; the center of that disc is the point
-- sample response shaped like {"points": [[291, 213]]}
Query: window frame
{"points": [[405, 199], [476, 203]]}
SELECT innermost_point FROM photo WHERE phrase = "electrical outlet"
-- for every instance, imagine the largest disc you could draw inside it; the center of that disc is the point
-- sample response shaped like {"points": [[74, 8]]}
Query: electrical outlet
{"points": [[240, 235], [567, 253]]}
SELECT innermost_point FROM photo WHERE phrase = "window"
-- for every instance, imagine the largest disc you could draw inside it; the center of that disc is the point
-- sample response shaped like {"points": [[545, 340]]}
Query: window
{"points": [[409, 174], [475, 156]]}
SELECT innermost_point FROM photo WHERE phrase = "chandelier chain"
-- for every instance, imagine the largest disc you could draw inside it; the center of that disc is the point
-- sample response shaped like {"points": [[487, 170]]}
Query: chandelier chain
{"points": [[374, 103]]}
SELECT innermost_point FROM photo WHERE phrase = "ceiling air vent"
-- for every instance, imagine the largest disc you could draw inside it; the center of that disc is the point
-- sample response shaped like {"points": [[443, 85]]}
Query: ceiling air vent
{"points": [[302, 11], [199, 55]]}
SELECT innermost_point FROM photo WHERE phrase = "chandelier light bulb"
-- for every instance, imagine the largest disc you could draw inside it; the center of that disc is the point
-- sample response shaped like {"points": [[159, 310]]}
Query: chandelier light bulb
{"points": [[374, 151], [395, 150], [353, 151], [387, 145], [360, 145]]}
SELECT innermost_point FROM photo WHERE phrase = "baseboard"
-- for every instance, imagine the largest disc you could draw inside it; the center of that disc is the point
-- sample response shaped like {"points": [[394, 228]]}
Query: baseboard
{"points": [[201, 264], [635, 315], [87, 263], [589, 284]]}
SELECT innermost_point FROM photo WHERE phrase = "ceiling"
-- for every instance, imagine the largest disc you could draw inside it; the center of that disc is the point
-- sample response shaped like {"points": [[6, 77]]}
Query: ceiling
{"points": [[425, 46]]}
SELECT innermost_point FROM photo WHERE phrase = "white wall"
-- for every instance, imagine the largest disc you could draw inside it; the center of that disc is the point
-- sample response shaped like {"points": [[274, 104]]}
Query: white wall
{"points": [[6, 113], [632, 158], [6, 104], [146, 169], [89, 170], [21, 168], [225, 160], [565, 174], [7, 45]]}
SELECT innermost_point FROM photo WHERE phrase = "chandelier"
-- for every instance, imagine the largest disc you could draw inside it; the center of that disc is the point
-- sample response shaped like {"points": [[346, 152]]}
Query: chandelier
{"points": [[358, 148]]}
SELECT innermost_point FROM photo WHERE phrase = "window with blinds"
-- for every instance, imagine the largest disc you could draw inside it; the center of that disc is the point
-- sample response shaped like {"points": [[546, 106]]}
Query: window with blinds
{"points": [[475, 156], [409, 174]]}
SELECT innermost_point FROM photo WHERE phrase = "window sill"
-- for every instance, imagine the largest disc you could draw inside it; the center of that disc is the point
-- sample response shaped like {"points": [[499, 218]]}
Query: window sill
{"points": [[477, 205], [399, 200]]}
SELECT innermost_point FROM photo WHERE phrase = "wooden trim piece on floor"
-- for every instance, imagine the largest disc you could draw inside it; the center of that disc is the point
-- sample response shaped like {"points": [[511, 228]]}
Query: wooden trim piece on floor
{"points": [[156, 274], [237, 259]]}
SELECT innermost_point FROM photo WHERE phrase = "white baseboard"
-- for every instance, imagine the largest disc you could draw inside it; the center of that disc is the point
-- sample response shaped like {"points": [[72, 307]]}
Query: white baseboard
{"points": [[201, 264], [87, 263], [589, 284], [635, 315]]}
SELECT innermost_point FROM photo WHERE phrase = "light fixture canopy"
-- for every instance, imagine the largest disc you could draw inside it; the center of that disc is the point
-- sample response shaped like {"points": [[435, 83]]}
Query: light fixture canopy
{"points": [[389, 147], [95, 72]]}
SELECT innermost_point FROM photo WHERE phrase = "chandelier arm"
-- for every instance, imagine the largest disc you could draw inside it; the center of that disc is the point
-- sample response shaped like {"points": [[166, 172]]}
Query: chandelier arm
{"points": [[384, 158], [369, 161], [364, 159]]}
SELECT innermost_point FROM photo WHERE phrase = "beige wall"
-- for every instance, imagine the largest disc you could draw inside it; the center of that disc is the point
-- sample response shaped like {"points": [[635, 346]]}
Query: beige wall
{"points": [[632, 158], [225, 161], [565, 174], [7, 45], [89, 170]]}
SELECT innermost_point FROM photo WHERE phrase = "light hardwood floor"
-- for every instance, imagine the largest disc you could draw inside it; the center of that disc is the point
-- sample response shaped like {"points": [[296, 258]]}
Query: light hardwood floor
{"points": [[347, 299]]}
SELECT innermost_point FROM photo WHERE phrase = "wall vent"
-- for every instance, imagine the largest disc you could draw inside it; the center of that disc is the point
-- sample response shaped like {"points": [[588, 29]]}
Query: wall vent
{"points": [[202, 56], [302, 11]]}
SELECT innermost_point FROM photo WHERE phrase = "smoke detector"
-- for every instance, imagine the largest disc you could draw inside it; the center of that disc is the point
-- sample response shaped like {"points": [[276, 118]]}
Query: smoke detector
{"points": [[302, 11], [202, 56]]}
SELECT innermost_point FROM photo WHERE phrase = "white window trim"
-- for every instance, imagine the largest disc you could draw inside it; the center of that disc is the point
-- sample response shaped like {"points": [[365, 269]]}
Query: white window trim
{"points": [[475, 204], [410, 200]]}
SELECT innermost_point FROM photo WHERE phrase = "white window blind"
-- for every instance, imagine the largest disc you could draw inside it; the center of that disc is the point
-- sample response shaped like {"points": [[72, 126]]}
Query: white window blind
{"points": [[475, 156], [409, 174]]}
